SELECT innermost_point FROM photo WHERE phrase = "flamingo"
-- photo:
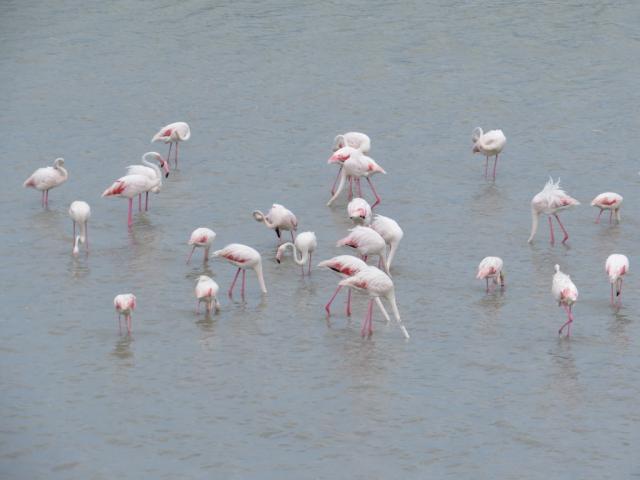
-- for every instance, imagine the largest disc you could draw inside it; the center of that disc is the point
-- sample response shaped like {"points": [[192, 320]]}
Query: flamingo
{"points": [[550, 201], [80, 212], [346, 266], [359, 211], [616, 266], [46, 178], [173, 133], [491, 268], [242, 257], [367, 242], [566, 294], [305, 244], [489, 144], [201, 237], [608, 201], [357, 140], [391, 232], [279, 218], [148, 170], [207, 291], [375, 283], [355, 165], [131, 185], [125, 303]]}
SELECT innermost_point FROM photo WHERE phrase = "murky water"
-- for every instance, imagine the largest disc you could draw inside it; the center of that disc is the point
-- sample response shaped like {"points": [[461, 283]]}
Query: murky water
{"points": [[270, 388]]}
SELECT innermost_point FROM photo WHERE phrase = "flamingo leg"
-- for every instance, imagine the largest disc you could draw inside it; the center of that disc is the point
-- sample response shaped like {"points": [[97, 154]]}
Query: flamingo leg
{"points": [[192, 250], [86, 236], [46, 198], [209, 305], [42, 199], [619, 292], [119, 324], [293, 237], [486, 167], [610, 216], [128, 320], [309, 270], [566, 235], [197, 306], [568, 322], [146, 202], [598, 218], [612, 294], [335, 182], [74, 233], [495, 163], [359, 188], [177, 143], [130, 218], [244, 275], [139, 202], [169, 154], [378, 199], [327, 307], [350, 188], [487, 280], [230, 293], [553, 240], [349, 303]]}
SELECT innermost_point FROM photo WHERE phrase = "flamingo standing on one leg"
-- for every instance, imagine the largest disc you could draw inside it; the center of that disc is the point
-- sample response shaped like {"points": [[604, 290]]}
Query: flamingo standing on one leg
{"points": [[148, 170], [356, 140], [550, 201], [356, 165], [125, 303], [491, 268], [367, 242], [391, 232], [80, 212], [304, 245], [131, 185], [359, 211], [207, 291], [566, 294], [608, 201], [203, 238], [242, 257], [616, 266], [46, 178], [279, 218], [375, 283], [173, 133], [489, 144]]}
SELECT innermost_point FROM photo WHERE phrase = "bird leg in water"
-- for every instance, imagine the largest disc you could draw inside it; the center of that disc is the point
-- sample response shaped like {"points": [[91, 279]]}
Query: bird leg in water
{"points": [[189, 257], [146, 202], [333, 188], [568, 322], [244, 276], [598, 218], [46, 198], [367, 327], [309, 271], [119, 324], [610, 217], [349, 303], [176, 157], [169, 154], [495, 163], [566, 235], [612, 294], [130, 217], [487, 279], [551, 229], [378, 199], [486, 167], [139, 202], [230, 293], [350, 188], [327, 307], [74, 233], [359, 188]]}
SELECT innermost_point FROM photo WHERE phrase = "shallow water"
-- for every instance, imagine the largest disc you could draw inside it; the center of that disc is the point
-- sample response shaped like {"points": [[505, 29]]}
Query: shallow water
{"points": [[269, 388]]}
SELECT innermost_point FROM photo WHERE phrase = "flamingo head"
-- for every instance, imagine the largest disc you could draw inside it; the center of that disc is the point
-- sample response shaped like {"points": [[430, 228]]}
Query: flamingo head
{"points": [[164, 165], [341, 155]]}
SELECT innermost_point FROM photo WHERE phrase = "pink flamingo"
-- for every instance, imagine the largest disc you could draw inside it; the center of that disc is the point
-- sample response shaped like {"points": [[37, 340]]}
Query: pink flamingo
{"points": [[616, 266], [489, 144], [550, 201], [243, 257], [375, 283], [173, 133], [355, 166], [391, 232], [207, 291], [491, 268], [304, 245], [356, 140], [608, 201], [46, 178], [125, 303], [80, 212], [279, 218], [367, 242], [202, 238], [566, 294], [148, 170]]}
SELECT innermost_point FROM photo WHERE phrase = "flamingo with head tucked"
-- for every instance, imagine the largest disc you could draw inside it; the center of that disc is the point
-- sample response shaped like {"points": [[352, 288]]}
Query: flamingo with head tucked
{"points": [[616, 266], [550, 201], [207, 291], [173, 133], [489, 144], [304, 245], [491, 268], [279, 218], [243, 257], [608, 201], [80, 212], [566, 294], [125, 304], [367, 242], [391, 232], [46, 178], [148, 170], [357, 140], [356, 165], [359, 211], [201, 238]]}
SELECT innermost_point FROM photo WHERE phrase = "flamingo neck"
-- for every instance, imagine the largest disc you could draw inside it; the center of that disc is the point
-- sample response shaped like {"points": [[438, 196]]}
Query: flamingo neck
{"points": [[258, 269]]}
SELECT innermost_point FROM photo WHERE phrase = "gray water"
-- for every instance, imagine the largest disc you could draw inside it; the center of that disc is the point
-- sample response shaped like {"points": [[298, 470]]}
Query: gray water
{"points": [[270, 388]]}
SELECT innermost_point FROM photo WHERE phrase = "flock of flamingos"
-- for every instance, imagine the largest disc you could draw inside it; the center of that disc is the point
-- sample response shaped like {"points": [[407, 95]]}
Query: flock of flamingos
{"points": [[372, 235]]}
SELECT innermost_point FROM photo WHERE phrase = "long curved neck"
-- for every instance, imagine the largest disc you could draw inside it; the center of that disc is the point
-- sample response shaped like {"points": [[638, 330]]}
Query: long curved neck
{"points": [[301, 260], [76, 245], [154, 167], [385, 262], [263, 219], [62, 170], [391, 297], [258, 269], [534, 224], [392, 253]]}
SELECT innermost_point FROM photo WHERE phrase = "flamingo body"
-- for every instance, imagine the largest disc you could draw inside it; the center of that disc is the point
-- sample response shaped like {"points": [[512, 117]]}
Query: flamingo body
{"points": [[608, 201], [46, 178], [358, 140], [80, 212], [243, 257], [125, 304], [278, 218], [551, 200], [616, 266], [303, 247], [359, 211], [490, 268], [391, 232], [367, 242], [355, 165], [173, 133], [490, 144], [201, 238], [566, 294], [207, 291], [131, 185]]}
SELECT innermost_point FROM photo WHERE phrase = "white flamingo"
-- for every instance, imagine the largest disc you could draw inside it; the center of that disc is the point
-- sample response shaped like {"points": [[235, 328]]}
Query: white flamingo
{"points": [[125, 304], [304, 246], [207, 291], [491, 268], [489, 144], [391, 232], [173, 133], [566, 294], [550, 201], [46, 178], [367, 242], [608, 201], [278, 218], [616, 266], [356, 165], [80, 212], [148, 170], [359, 211], [201, 238], [356, 140], [243, 257]]}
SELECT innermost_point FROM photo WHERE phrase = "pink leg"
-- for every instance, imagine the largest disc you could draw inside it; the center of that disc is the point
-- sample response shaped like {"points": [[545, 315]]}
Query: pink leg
{"points": [[177, 143], [146, 202], [486, 167], [327, 307], [333, 188], [568, 322], [130, 219], [140, 202], [495, 163], [620, 293], [566, 235], [293, 236], [169, 154], [309, 270], [74, 233], [378, 199], [42, 199], [370, 317], [349, 303], [234, 282], [359, 188], [244, 275], [46, 198], [598, 219], [192, 250], [553, 240]]}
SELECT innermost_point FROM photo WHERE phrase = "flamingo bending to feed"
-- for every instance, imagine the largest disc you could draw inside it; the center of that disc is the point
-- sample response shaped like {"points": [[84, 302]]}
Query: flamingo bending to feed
{"points": [[279, 218], [131, 185], [550, 201], [608, 201], [173, 133], [367, 242], [491, 268], [148, 170], [207, 291], [359, 211], [46, 178], [203, 238], [346, 266], [489, 144], [305, 244], [616, 266], [355, 166], [566, 294], [391, 232], [375, 283], [357, 140], [80, 212], [243, 257], [125, 303]]}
